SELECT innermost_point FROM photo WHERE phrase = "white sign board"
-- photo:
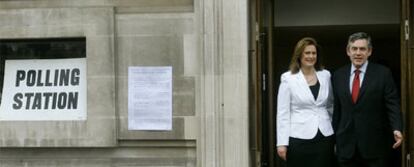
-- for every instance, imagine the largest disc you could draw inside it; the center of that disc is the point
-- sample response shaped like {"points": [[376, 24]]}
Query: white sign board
{"points": [[150, 98], [44, 90]]}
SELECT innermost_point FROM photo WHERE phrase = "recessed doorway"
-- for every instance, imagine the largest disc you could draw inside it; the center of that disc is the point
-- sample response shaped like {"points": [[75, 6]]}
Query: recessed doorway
{"points": [[330, 23]]}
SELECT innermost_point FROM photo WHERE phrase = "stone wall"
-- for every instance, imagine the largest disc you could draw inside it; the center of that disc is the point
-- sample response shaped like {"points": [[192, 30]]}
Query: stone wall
{"points": [[204, 41]]}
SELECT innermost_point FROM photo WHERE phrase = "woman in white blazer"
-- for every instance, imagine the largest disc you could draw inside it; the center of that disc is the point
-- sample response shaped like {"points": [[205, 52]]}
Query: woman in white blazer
{"points": [[304, 110]]}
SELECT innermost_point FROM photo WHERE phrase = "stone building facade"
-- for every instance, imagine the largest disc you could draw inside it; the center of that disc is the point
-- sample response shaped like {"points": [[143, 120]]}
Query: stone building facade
{"points": [[205, 42]]}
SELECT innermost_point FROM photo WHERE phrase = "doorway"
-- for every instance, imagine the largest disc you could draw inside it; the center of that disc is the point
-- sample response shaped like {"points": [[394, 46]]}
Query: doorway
{"points": [[333, 40], [330, 23]]}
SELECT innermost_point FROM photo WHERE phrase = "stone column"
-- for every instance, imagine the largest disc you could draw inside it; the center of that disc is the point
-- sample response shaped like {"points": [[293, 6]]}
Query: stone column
{"points": [[223, 104]]}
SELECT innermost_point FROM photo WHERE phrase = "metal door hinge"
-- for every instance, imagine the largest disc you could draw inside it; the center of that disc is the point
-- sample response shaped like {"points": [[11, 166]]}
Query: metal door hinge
{"points": [[408, 161], [407, 29], [258, 159]]}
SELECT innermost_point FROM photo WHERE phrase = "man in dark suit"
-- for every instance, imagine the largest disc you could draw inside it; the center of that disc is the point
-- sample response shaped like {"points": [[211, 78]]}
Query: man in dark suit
{"points": [[366, 108]]}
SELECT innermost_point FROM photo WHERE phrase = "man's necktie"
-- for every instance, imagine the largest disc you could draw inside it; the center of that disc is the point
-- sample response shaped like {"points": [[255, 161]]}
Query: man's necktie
{"points": [[355, 86]]}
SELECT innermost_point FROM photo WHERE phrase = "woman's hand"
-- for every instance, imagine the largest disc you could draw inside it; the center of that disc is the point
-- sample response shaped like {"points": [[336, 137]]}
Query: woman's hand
{"points": [[281, 151]]}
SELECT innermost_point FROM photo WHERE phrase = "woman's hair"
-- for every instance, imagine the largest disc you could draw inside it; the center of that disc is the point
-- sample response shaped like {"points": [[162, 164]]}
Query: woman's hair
{"points": [[294, 66]]}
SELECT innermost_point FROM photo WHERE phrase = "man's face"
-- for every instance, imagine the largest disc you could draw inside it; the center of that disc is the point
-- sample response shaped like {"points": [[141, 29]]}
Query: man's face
{"points": [[358, 51]]}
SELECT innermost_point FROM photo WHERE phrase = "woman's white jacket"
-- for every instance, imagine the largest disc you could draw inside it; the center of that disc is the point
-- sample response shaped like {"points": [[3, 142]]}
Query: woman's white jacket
{"points": [[299, 115]]}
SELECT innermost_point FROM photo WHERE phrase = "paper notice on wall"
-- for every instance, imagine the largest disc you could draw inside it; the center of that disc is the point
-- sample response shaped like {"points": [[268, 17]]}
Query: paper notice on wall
{"points": [[150, 98]]}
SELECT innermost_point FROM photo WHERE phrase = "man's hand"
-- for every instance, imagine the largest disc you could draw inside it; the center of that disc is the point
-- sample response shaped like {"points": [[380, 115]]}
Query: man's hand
{"points": [[398, 137], [281, 151]]}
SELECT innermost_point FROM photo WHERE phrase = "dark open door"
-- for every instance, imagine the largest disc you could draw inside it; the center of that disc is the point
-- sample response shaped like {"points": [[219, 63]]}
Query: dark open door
{"points": [[255, 83], [407, 80], [261, 86], [268, 117]]}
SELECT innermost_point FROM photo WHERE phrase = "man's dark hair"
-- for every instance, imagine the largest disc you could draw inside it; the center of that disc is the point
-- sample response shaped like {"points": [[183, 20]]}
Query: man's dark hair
{"points": [[360, 35]]}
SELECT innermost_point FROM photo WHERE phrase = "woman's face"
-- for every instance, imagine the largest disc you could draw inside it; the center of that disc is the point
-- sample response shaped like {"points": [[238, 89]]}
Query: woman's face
{"points": [[309, 56]]}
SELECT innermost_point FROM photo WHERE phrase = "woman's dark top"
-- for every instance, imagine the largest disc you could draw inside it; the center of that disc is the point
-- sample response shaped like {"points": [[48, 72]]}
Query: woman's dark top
{"points": [[315, 89]]}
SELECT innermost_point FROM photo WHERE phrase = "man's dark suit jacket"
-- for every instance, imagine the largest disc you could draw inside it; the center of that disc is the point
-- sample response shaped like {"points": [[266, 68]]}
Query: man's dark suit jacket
{"points": [[368, 124]]}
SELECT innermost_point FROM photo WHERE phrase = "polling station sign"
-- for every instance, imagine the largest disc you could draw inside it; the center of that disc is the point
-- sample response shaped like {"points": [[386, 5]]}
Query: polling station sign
{"points": [[44, 90]]}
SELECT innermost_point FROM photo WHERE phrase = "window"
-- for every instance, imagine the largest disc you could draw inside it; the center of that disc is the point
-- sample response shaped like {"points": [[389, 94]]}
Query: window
{"points": [[45, 48]]}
